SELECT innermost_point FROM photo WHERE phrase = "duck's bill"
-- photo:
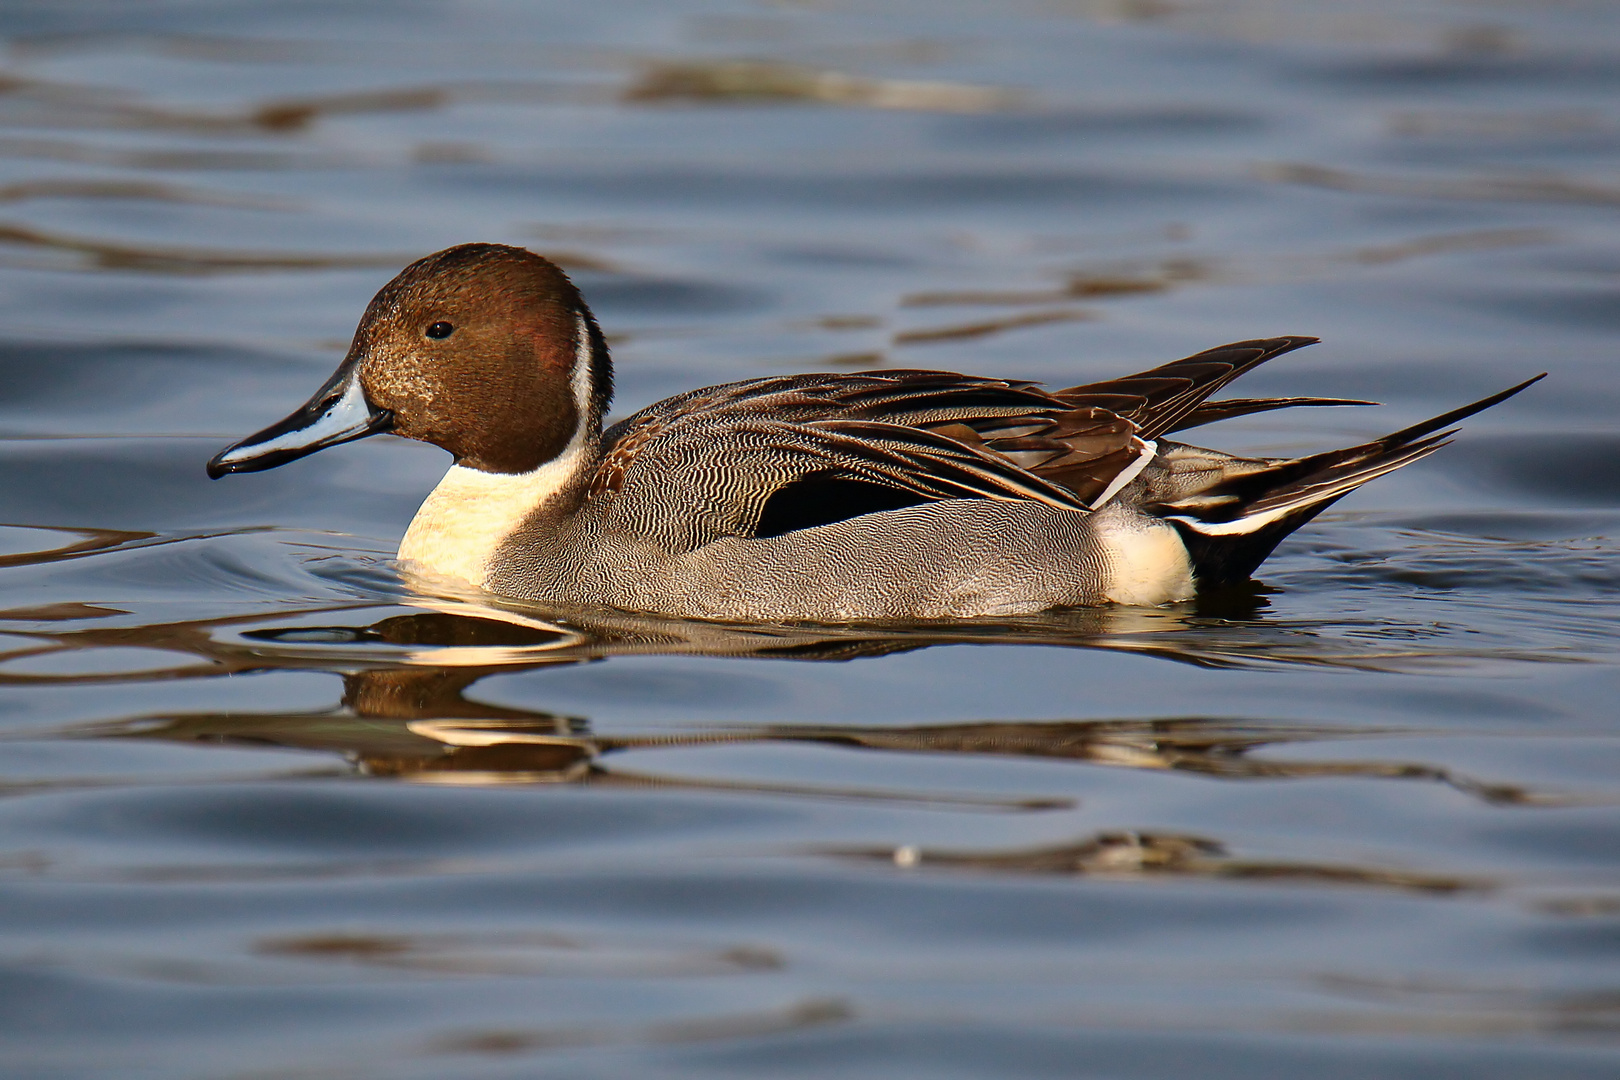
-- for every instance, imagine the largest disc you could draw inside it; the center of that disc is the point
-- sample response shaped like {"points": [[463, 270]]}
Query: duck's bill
{"points": [[338, 413]]}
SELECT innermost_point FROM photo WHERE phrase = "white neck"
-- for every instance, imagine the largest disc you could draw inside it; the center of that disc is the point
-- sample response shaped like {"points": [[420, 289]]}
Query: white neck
{"points": [[461, 525]]}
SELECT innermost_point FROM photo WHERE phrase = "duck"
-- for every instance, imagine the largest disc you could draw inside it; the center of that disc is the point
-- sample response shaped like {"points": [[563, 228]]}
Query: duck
{"points": [[892, 494]]}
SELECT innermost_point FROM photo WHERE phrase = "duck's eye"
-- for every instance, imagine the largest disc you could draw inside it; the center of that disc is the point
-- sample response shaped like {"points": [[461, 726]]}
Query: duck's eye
{"points": [[440, 330]]}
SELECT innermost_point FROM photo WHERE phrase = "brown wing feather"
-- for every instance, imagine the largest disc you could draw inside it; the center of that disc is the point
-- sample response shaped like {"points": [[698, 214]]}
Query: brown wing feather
{"points": [[1159, 399]]}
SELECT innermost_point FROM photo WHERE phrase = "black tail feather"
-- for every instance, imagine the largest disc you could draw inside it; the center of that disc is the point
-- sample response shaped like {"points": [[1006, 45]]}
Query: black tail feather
{"points": [[1228, 538], [1417, 431]]}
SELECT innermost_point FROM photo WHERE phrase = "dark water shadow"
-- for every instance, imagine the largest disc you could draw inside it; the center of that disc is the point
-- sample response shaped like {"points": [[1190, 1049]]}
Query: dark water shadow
{"points": [[66, 106], [31, 248], [503, 1042]]}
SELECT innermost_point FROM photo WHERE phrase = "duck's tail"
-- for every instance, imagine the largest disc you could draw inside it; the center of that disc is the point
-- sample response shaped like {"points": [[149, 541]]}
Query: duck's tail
{"points": [[1232, 525]]}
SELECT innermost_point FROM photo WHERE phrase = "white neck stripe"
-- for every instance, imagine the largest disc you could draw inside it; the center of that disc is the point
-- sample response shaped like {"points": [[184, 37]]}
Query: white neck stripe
{"points": [[580, 380]]}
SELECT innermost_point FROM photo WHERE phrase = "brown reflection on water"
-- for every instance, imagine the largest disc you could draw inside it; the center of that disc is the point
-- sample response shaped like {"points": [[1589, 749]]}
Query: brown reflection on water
{"points": [[760, 81], [1436, 1006], [507, 1041], [1143, 854], [91, 253], [296, 114], [38, 103], [341, 956], [142, 190], [89, 542], [186, 158], [517, 953], [1548, 188], [1080, 285], [967, 331], [415, 725], [65, 252], [1120, 280]]}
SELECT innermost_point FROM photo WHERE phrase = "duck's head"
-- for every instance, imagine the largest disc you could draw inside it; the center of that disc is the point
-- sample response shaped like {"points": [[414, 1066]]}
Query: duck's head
{"points": [[485, 350]]}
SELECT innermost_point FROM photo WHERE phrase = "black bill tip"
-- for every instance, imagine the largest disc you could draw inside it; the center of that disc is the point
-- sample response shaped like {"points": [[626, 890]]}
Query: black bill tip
{"points": [[339, 413]]}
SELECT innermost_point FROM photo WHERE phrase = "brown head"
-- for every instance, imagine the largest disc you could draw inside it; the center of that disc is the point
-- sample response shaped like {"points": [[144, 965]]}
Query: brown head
{"points": [[486, 350]]}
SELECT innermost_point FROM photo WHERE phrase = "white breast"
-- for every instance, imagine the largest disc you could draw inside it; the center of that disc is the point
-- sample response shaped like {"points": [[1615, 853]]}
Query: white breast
{"points": [[467, 517]]}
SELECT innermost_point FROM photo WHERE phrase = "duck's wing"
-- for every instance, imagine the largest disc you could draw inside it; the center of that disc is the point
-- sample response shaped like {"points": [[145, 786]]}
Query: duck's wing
{"points": [[1168, 398], [774, 455], [755, 477], [765, 456]]}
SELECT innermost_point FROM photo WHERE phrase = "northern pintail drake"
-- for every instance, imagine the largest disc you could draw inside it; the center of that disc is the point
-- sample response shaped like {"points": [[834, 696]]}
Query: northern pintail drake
{"points": [[834, 497]]}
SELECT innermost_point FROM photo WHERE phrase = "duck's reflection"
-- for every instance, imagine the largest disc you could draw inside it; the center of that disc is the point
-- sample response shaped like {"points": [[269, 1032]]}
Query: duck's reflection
{"points": [[1221, 630], [406, 713], [407, 668]]}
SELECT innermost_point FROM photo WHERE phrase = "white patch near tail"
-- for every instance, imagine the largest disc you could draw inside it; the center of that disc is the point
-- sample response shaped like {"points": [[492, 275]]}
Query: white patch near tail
{"points": [[1148, 564], [1238, 526], [461, 525]]}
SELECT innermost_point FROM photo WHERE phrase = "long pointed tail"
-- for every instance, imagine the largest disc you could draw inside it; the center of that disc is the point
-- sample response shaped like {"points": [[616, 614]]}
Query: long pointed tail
{"points": [[1231, 527]]}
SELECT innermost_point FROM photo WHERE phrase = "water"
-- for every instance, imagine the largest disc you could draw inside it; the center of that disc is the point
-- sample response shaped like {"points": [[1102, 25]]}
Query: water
{"points": [[271, 814]]}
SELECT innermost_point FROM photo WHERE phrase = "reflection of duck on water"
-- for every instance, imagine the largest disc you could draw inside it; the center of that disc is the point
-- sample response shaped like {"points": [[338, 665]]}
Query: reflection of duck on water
{"points": [[403, 715], [830, 497]]}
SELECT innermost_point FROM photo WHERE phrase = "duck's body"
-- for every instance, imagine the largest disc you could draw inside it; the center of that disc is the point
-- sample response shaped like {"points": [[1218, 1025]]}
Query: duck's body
{"points": [[743, 501], [880, 495]]}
